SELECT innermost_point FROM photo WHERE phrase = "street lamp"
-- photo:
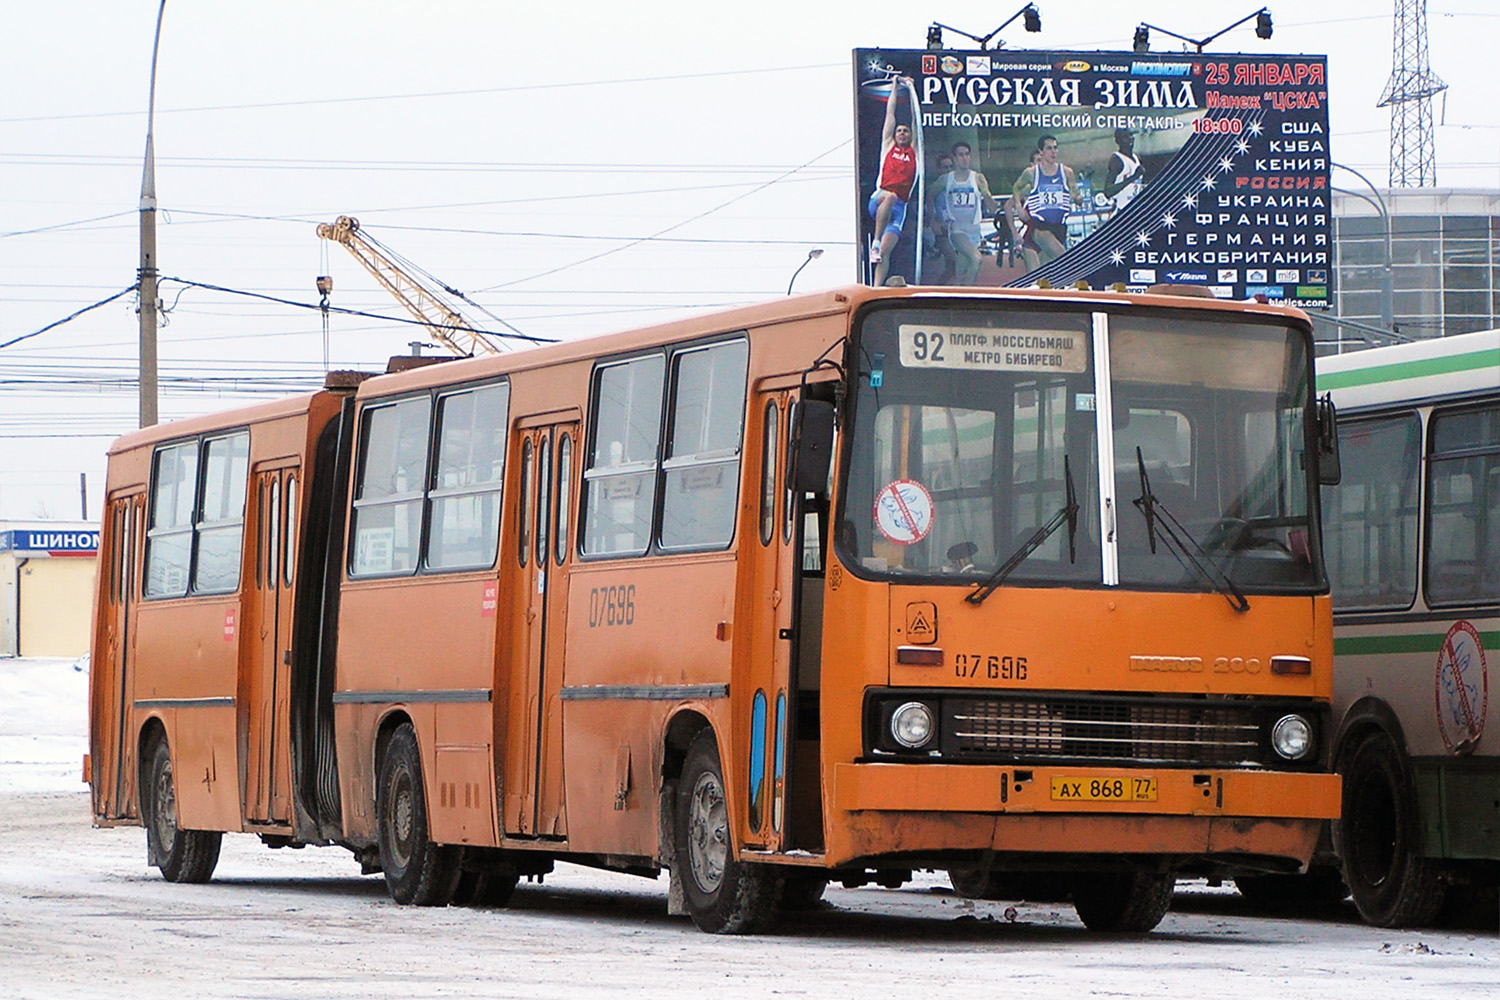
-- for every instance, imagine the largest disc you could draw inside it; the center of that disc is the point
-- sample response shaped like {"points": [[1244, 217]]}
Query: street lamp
{"points": [[1387, 294], [1262, 18], [812, 255], [146, 276], [1033, 24]]}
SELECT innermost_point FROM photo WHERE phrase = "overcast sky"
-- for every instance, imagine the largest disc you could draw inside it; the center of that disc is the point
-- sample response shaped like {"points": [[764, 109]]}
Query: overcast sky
{"points": [[585, 169]]}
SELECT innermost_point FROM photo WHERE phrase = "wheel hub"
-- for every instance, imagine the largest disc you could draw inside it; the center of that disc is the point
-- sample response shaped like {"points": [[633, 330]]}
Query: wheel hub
{"points": [[708, 833]]}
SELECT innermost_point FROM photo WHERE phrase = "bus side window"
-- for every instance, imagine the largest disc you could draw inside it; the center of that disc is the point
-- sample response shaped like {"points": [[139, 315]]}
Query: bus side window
{"points": [[387, 528], [702, 468], [289, 534], [619, 484], [768, 490], [466, 490], [1370, 518], [169, 540], [1461, 515]]}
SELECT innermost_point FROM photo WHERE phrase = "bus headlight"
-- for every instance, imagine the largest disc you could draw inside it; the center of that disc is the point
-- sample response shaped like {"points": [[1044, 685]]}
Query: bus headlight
{"points": [[1292, 737], [912, 725]]}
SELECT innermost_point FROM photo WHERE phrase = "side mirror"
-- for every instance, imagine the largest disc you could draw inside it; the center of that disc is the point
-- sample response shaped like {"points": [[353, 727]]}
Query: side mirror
{"points": [[1329, 470], [812, 447]]}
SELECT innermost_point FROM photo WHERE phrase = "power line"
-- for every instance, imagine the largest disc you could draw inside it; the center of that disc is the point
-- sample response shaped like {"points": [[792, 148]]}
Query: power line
{"points": [[69, 318], [674, 226], [345, 312], [63, 225], [518, 88]]}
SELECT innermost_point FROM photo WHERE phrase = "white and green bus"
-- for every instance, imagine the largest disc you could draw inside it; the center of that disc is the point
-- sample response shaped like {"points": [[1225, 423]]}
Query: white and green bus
{"points": [[1412, 536]]}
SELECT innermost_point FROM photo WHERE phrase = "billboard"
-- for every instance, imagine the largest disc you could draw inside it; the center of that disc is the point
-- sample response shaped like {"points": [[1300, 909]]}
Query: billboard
{"points": [[1016, 167]]}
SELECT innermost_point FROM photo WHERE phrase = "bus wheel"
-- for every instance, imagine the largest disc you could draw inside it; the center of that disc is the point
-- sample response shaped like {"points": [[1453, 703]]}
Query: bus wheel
{"points": [[1378, 839], [416, 870], [182, 855], [1130, 902], [723, 894]]}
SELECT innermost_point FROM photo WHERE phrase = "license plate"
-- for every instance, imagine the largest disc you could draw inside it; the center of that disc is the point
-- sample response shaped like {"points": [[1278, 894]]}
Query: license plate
{"points": [[1065, 789]]}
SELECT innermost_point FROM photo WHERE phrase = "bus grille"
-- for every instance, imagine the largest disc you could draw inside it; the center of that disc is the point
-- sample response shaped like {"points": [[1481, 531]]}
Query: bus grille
{"points": [[1135, 731]]}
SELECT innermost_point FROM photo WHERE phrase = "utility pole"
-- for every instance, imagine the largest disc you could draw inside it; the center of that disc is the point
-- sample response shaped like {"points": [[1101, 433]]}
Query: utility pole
{"points": [[1409, 94], [147, 274]]}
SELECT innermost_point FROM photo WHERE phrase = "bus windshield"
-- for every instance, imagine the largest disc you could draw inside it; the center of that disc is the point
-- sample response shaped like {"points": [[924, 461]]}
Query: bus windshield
{"points": [[975, 445]]}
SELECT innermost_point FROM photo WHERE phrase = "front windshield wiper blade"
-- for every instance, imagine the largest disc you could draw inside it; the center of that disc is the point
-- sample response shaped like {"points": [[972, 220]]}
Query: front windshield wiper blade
{"points": [[1156, 514], [1067, 514]]}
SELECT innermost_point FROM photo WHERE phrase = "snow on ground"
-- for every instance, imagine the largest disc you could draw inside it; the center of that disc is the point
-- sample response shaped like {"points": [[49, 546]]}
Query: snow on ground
{"points": [[43, 724], [81, 915]]}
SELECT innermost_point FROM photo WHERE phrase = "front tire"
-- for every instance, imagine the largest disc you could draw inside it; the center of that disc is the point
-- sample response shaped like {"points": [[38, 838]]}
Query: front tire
{"points": [[417, 871], [723, 894], [1379, 841], [1129, 902], [181, 855]]}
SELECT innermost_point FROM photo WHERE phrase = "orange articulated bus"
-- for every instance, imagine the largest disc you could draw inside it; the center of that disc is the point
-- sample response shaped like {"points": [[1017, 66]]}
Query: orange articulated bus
{"points": [[1026, 586]]}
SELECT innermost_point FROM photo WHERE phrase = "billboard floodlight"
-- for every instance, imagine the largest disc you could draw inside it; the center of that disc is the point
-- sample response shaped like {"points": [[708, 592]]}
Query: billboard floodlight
{"points": [[1262, 19], [1032, 23]]}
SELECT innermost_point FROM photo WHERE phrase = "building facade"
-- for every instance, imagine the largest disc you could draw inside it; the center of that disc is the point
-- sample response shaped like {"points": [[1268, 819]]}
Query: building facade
{"points": [[47, 573], [1444, 259]]}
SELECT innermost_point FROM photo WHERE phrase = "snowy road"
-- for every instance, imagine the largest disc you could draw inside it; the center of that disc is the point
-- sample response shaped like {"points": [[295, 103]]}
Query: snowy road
{"points": [[81, 915]]}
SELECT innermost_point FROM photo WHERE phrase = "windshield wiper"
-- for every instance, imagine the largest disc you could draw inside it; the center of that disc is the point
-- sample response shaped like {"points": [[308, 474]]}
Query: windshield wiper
{"points": [[1067, 514], [1156, 513]]}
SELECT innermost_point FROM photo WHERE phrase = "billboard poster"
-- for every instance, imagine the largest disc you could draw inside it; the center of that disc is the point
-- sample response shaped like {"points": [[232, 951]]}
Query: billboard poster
{"points": [[1018, 168]]}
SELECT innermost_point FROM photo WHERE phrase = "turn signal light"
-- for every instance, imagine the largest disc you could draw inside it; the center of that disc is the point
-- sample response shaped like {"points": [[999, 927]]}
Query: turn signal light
{"points": [[1299, 666], [919, 656]]}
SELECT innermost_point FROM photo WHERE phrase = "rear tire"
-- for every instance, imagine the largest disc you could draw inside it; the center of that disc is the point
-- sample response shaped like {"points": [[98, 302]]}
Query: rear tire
{"points": [[1130, 902], [1379, 841], [417, 871], [181, 855], [723, 895]]}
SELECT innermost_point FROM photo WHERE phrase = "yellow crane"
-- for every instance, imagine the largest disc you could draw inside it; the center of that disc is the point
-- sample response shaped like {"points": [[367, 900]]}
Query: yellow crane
{"points": [[448, 327]]}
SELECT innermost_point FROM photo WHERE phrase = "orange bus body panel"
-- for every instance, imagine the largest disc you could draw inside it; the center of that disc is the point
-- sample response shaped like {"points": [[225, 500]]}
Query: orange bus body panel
{"points": [[189, 664], [553, 702]]}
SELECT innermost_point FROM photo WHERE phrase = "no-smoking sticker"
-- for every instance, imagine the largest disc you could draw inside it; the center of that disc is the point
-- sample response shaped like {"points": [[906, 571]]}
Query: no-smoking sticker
{"points": [[1462, 688], [903, 511]]}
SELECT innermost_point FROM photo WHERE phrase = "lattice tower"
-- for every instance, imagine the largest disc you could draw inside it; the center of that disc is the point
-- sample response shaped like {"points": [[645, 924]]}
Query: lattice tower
{"points": [[1409, 96]]}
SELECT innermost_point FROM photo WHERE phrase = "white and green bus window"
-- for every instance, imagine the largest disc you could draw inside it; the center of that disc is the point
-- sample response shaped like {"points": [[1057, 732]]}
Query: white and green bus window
{"points": [[1463, 523], [1370, 518]]}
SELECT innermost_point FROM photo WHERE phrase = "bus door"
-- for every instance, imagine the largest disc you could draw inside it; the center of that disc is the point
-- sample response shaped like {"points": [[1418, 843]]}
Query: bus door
{"points": [[113, 750], [785, 649], [268, 684], [534, 757]]}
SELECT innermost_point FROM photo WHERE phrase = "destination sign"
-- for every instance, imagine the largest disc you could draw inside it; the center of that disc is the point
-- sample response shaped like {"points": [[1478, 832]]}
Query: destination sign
{"points": [[981, 349]]}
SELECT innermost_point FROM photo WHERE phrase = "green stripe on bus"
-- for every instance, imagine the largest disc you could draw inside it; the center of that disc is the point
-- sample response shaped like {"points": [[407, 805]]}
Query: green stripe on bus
{"points": [[1368, 645], [1472, 361]]}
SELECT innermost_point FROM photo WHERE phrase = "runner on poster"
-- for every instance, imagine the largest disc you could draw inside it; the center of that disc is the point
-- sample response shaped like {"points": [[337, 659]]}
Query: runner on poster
{"points": [[903, 511]]}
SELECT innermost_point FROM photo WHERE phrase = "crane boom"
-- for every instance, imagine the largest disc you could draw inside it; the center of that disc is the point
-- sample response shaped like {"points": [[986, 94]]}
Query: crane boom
{"points": [[448, 327]]}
